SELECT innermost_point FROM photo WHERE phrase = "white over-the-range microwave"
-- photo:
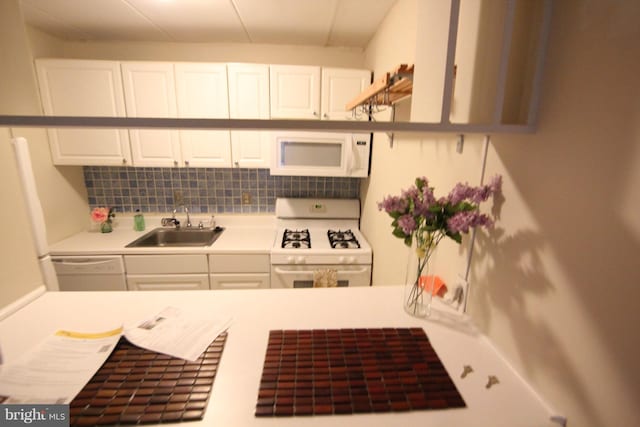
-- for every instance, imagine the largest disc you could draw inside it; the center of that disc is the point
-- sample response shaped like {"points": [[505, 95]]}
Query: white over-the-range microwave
{"points": [[320, 154]]}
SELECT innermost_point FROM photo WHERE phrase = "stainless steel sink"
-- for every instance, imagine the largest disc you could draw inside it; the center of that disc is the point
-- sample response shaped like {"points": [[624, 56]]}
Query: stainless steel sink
{"points": [[172, 237]]}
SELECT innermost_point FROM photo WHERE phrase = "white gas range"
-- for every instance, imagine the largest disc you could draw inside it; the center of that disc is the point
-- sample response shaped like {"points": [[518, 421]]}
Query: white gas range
{"points": [[318, 243]]}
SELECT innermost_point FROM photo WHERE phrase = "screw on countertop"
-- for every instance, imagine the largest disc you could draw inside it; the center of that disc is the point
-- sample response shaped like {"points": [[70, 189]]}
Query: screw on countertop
{"points": [[492, 381], [467, 369]]}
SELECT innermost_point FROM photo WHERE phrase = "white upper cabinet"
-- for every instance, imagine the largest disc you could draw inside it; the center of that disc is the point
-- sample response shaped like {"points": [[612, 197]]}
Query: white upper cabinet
{"points": [[305, 92], [185, 90], [251, 149], [249, 99], [201, 90], [84, 88], [295, 92], [339, 86], [149, 89]]}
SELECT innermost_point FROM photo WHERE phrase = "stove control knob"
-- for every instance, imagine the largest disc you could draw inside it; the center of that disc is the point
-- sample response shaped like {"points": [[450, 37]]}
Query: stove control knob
{"points": [[300, 260], [341, 260], [352, 260], [290, 260]]}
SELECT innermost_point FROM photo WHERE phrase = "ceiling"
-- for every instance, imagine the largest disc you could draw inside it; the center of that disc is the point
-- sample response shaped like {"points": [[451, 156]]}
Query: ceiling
{"points": [[346, 23]]}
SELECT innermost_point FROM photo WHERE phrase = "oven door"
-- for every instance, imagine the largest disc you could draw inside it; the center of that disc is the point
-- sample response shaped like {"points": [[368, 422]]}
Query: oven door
{"points": [[301, 276]]}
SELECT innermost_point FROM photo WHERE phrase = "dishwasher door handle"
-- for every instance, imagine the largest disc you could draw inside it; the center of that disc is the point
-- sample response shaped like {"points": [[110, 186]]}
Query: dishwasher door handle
{"points": [[82, 262]]}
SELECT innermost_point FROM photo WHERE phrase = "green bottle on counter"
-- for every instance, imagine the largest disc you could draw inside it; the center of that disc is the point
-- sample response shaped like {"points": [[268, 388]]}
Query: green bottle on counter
{"points": [[138, 221]]}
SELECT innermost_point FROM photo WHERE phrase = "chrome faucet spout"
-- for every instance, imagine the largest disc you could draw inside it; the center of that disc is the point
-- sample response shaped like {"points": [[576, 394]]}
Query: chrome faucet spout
{"points": [[186, 211]]}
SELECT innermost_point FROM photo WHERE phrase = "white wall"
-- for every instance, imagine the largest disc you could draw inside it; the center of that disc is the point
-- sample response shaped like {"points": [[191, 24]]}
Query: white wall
{"points": [[555, 285], [19, 272], [61, 190]]}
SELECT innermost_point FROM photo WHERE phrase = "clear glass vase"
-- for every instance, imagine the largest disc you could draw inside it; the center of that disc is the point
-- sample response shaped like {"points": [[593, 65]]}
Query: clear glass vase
{"points": [[419, 283]]}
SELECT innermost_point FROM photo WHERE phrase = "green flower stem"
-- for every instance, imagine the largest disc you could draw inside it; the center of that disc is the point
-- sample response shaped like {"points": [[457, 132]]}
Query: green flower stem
{"points": [[416, 293]]}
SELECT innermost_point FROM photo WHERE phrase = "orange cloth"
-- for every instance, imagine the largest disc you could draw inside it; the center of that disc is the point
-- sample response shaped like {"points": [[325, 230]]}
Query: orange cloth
{"points": [[439, 287]]}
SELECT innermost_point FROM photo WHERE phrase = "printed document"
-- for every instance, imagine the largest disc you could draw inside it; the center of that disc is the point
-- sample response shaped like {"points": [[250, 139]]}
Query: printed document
{"points": [[58, 368], [178, 334]]}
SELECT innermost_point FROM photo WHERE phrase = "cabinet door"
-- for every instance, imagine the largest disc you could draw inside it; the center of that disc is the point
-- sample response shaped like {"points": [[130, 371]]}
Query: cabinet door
{"points": [[84, 88], [339, 86], [295, 92], [149, 90], [168, 282], [201, 90], [249, 99], [240, 281], [251, 149]]}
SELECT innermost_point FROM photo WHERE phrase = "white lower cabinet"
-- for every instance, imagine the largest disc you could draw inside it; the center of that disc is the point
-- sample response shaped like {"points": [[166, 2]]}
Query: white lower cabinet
{"points": [[250, 271], [167, 272], [197, 271]]}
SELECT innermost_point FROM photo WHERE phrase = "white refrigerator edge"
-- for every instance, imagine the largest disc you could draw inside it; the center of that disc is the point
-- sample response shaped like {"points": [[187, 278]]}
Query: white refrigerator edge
{"points": [[34, 212]]}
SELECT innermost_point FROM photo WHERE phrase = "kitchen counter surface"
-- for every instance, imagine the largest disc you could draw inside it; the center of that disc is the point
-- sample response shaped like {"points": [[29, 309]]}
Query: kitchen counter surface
{"points": [[255, 312], [243, 233]]}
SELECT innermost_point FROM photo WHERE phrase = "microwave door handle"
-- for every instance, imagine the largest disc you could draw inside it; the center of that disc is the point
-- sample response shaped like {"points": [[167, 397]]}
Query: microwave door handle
{"points": [[353, 155], [296, 272]]}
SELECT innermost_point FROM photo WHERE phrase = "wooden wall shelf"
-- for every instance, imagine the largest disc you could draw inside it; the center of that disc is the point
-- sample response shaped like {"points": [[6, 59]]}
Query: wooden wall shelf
{"points": [[387, 90]]}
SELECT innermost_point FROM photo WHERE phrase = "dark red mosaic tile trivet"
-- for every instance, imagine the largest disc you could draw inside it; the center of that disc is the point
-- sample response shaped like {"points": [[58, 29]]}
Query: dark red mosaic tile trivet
{"points": [[137, 386], [346, 371]]}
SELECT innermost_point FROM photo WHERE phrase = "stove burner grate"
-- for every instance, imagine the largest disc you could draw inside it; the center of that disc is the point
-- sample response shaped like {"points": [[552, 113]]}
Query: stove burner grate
{"points": [[296, 239], [340, 239]]}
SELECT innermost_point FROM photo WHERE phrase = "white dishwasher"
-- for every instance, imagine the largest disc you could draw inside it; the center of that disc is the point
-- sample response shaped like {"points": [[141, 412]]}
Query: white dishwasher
{"points": [[90, 273]]}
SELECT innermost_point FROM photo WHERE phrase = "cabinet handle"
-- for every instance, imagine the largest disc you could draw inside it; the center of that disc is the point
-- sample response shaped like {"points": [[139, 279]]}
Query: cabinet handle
{"points": [[315, 114], [325, 115], [236, 164], [186, 162], [175, 163], [124, 161]]}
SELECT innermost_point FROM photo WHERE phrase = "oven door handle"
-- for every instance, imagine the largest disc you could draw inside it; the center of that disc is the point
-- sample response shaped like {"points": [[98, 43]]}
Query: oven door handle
{"points": [[292, 272]]}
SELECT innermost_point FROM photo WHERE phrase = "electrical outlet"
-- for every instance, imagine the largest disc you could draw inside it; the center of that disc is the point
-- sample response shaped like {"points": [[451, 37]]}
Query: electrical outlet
{"points": [[178, 197], [459, 293], [246, 198], [460, 144]]}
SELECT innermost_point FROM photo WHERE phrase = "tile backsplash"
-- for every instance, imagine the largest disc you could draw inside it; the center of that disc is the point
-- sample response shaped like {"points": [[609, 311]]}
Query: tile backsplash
{"points": [[204, 190]]}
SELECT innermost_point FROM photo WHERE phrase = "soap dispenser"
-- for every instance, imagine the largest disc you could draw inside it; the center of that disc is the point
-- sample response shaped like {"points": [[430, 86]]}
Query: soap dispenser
{"points": [[138, 221]]}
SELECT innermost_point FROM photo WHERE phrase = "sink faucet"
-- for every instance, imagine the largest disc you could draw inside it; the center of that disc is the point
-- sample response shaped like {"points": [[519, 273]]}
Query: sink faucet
{"points": [[186, 210]]}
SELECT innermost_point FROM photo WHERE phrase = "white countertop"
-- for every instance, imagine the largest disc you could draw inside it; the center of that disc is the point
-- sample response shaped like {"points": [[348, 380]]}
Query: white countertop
{"points": [[243, 233], [232, 403]]}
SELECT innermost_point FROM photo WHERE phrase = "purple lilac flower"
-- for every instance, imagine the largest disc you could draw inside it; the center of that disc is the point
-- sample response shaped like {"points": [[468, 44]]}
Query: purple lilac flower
{"points": [[421, 208], [476, 195], [411, 193], [407, 223], [462, 221], [427, 195], [459, 193], [480, 194], [393, 204]]}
